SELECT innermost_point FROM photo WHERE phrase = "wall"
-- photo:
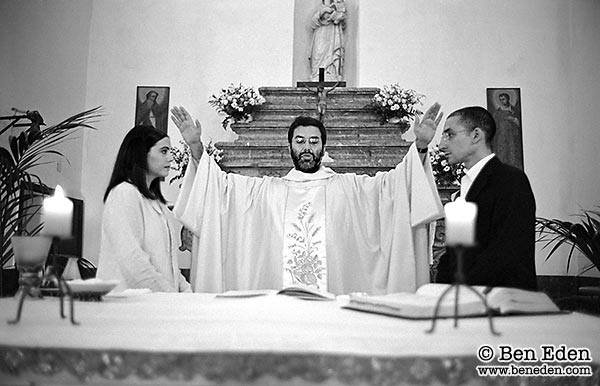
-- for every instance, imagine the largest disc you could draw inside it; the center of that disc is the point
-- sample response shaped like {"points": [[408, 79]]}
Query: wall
{"points": [[196, 48], [43, 61], [449, 50], [452, 51]]}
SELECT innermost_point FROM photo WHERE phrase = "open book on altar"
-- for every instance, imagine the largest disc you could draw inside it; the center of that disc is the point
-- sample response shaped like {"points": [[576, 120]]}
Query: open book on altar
{"points": [[298, 291], [421, 304]]}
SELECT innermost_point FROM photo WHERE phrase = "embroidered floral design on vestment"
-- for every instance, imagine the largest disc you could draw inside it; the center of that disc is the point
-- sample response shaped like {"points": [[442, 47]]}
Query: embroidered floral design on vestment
{"points": [[305, 267]]}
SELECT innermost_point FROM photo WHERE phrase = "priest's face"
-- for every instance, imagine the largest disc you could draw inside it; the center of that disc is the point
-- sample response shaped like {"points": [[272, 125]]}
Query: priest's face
{"points": [[307, 149]]}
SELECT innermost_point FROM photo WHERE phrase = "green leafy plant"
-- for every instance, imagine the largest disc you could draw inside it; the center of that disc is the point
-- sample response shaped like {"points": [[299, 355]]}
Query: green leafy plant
{"points": [[583, 236], [29, 149]]}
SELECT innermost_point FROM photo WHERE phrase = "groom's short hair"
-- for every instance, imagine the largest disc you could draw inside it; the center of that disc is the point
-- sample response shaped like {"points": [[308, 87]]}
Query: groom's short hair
{"points": [[477, 116], [307, 121]]}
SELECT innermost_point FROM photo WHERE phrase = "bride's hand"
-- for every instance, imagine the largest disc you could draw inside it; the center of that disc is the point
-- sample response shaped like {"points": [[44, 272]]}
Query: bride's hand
{"points": [[190, 131]]}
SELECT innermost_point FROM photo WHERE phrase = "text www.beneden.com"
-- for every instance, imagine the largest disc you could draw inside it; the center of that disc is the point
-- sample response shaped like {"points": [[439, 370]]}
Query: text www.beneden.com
{"points": [[534, 370]]}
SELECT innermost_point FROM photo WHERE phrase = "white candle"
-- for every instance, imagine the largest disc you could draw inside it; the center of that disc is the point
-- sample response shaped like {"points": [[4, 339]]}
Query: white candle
{"points": [[460, 223], [57, 215]]}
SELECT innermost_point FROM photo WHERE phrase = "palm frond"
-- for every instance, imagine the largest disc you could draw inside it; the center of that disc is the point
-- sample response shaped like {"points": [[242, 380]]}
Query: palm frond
{"points": [[30, 149], [583, 236]]}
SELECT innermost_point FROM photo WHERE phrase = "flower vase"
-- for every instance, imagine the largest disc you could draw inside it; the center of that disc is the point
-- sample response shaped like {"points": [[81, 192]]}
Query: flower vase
{"points": [[246, 118], [400, 123]]}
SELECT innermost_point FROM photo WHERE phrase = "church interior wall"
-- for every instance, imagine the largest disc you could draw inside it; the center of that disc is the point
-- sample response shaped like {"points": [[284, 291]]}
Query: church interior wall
{"points": [[43, 66], [196, 48], [452, 51], [62, 57]]}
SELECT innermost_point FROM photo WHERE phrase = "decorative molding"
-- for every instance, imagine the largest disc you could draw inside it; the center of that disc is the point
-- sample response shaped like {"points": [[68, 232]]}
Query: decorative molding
{"points": [[219, 367]]}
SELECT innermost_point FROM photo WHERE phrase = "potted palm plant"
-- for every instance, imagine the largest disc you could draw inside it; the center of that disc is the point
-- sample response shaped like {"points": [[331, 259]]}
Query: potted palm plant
{"points": [[583, 236], [29, 149]]}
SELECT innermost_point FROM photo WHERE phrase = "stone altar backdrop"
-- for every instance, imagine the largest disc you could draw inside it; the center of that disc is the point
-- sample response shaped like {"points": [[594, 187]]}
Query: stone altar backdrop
{"points": [[356, 141]]}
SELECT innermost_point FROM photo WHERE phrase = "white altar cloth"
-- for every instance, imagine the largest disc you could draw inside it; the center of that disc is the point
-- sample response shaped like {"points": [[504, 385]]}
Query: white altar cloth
{"points": [[274, 329]]}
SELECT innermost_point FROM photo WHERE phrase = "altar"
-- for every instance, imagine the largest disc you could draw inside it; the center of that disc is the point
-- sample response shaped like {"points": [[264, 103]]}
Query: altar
{"points": [[202, 339]]}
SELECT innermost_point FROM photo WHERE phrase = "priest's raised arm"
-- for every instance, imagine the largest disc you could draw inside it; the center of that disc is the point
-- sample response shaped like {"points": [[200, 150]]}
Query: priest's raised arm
{"points": [[315, 227]]}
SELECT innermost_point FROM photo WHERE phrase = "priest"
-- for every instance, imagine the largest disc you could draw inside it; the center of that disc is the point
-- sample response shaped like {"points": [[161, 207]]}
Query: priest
{"points": [[314, 227]]}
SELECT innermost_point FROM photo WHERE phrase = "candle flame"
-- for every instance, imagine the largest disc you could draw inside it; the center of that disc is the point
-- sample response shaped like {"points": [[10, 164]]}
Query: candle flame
{"points": [[59, 192]]}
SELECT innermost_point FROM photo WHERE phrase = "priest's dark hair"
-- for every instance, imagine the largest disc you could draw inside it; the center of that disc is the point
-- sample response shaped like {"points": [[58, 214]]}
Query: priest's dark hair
{"points": [[132, 162], [307, 121], [477, 116]]}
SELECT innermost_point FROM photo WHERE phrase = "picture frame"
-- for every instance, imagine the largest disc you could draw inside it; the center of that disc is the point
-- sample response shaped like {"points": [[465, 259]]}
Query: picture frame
{"points": [[505, 106], [152, 106]]}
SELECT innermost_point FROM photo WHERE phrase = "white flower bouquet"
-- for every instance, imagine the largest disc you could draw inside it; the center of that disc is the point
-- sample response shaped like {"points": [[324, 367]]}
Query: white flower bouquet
{"points": [[236, 102], [444, 173], [181, 158], [397, 105]]}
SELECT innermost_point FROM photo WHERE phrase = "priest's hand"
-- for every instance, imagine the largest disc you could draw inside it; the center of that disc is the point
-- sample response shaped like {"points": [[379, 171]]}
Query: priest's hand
{"points": [[190, 131], [425, 128]]}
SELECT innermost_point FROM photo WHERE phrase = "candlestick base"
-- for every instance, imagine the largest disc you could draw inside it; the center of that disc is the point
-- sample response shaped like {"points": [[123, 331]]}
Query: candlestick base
{"points": [[30, 257], [63, 290], [459, 281]]}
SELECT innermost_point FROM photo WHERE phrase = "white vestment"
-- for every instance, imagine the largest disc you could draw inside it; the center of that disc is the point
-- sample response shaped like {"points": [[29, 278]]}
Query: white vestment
{"points": [[376, 228]]}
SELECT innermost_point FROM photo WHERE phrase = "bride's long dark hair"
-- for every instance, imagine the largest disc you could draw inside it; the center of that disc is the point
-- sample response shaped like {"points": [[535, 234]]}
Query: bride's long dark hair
{"points": [[132, 162]]}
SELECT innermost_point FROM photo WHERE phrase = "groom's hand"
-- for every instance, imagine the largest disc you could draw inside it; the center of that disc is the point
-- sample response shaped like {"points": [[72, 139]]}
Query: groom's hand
{"points": [[190, 131]]}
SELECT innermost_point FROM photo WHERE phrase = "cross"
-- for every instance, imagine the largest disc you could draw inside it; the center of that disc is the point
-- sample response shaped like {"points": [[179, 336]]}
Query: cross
{"points": [[321, 92]]}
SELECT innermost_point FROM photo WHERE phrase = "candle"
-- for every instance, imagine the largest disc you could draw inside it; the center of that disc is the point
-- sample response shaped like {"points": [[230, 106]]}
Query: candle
{"points": [[57, 214], [460, 223]]}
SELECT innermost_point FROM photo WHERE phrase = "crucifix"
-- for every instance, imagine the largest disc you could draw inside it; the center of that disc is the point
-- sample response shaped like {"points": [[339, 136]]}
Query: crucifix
{"points": [[321, 91]]}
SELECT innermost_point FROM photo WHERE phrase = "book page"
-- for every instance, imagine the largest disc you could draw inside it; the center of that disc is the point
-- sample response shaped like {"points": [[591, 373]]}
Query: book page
{"points": [[307, 293], [504, 300], [418, 306], [515, 300], [464, 293], [422, 303], [246, 293]]}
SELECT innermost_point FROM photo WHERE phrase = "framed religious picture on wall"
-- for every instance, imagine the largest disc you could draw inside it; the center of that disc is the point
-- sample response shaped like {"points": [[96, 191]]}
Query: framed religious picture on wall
{"points": [[152, 107], [505, 105]]}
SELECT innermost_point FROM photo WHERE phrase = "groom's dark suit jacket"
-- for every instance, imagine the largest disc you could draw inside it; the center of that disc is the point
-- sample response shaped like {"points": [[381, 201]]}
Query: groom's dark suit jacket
{"points": [[505, 231]]}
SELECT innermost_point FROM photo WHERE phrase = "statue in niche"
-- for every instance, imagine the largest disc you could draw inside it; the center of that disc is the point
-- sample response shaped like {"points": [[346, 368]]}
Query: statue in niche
{"points": [[327, 48]]}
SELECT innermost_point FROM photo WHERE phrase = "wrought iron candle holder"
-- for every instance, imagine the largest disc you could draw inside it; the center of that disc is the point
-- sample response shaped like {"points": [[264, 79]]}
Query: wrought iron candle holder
{"points": [[459, 281], [31, 253]]}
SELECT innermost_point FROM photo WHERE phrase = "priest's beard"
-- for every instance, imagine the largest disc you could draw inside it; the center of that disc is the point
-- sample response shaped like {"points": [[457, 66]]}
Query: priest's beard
{"points": [[306, 161]]}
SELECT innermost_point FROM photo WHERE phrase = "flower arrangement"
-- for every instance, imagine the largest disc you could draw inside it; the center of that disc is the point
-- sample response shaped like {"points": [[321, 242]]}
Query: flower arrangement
{"points": [[236, 102], [181, 158], [397, 105], [214, 152], [444, 173]]}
